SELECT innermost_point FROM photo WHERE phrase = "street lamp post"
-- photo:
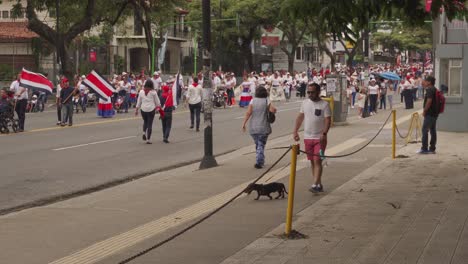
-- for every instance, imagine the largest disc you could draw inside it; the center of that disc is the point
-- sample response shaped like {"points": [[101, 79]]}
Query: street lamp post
{"points": [[208, 160]]}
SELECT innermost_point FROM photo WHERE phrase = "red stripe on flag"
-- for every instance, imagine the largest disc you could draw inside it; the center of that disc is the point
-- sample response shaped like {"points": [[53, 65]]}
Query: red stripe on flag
{"points": [[99, 84], [36, 78]]}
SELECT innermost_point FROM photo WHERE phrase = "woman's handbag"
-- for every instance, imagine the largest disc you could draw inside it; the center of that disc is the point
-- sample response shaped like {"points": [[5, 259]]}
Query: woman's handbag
{"points": [[271, 117]]}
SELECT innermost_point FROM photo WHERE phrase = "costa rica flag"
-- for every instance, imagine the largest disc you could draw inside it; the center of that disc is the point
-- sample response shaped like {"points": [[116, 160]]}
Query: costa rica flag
{"points": [[35, 81], [99, 85]]}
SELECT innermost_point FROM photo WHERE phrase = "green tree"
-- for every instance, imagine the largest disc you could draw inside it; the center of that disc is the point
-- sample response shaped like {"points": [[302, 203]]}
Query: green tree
{"points": [[75, 18], [294, 26], [154, 16], [404, 37], [232, 36]]}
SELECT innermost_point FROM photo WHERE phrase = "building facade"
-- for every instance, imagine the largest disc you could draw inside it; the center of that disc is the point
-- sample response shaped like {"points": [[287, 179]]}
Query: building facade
{"points": [[451, 65]]}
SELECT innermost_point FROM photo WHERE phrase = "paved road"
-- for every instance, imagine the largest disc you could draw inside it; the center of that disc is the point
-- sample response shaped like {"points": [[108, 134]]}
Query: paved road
{"points": [[47, 161]]}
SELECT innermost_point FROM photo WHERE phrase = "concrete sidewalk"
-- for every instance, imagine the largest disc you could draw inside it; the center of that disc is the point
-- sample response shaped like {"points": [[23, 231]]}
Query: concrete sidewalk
{"points": [[409, 210]]}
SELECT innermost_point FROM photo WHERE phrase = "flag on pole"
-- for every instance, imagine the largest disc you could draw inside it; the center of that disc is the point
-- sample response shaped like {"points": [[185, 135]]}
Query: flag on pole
{"points": [[99, 85], [35, 81], [175, 89], [162, 52]]}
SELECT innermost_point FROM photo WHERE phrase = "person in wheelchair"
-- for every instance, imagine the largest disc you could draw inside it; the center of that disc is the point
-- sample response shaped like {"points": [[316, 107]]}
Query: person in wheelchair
{"points": [[4, 102]]}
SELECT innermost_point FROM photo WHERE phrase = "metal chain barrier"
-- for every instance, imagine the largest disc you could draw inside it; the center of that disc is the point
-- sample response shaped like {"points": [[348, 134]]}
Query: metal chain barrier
{"points": [[141, 253], [356, 151], [415, 124]]}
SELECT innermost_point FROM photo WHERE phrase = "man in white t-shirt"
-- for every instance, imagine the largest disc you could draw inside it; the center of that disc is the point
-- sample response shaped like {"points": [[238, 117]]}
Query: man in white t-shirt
{"points": [[316, 115]]}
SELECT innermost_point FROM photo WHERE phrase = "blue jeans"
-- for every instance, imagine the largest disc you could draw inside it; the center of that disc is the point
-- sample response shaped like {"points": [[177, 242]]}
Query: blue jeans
{"points": [[260, 142], [429, 125], [126, 102]]}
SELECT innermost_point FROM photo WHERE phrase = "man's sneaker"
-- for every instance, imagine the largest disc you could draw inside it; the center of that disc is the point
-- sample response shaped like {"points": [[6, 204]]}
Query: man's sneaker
{"points": [[144, 137], [320, 187], [432, 152], [258, 166], [149, 142], [422, 151], [315, 189]]}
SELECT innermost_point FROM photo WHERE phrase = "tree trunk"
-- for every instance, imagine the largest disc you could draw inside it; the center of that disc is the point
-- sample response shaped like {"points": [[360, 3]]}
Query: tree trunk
{"points": [[247, 54], [291, 62], [67, 64]]}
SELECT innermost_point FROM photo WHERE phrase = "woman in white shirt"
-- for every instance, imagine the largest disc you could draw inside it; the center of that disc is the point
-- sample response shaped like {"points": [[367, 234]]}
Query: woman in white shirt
{"points": [[373, 91], [148, 102], [194, 99]]}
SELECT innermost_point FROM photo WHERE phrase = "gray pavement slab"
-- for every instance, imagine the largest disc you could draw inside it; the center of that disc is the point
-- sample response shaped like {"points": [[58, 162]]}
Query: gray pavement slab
{"points": [[358, 222]]}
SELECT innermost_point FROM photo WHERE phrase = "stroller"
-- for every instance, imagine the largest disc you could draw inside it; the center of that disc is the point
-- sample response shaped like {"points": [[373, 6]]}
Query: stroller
{"points": [[8, 120], [219, 98], [32, 105], [119, 104]]}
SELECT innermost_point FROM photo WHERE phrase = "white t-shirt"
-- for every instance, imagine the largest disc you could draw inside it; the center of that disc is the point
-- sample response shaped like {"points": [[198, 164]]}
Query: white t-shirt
{"points": [[314, 117], [59, 88], [17, 88], [148, 102], [373, 89], [231, 83], [194, 94], [157, 83]]}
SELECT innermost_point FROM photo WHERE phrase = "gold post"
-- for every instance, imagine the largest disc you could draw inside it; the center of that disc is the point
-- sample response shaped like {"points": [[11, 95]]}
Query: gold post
{"points": [[292, 183], [393, 134], [331, 102]]}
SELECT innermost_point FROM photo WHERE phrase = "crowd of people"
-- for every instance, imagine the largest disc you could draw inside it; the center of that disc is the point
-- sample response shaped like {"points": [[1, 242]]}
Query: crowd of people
{"points": [[368, 91]]}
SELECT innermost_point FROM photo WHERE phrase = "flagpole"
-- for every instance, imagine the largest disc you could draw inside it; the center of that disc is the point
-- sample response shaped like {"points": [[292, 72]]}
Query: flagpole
{"points": [[152, 57], [208, 160]]}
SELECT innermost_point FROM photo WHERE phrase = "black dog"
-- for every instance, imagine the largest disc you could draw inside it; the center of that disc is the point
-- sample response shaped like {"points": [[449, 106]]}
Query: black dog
{"points": [[267, 189]]}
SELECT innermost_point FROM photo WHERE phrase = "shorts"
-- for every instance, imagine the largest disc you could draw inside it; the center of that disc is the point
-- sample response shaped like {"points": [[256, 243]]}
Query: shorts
{"points": [[313, 147]]}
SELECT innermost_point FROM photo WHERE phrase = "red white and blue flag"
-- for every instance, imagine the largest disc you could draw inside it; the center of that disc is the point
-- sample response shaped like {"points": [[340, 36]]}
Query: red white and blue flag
{"points": [[99, 85], [35, 81]]}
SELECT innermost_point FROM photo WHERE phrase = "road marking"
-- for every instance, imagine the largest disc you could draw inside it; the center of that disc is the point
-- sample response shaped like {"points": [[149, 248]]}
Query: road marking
{"points": [[84, 124], [112, 245], [93, 143]]}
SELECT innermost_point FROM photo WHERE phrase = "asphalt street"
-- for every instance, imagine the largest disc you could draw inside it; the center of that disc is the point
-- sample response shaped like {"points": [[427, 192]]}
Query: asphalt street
{"points": [[48, 161]]}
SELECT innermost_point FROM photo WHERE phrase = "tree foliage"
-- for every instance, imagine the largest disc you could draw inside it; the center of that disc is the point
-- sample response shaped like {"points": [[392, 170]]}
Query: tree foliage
{"points": [[405, 38]]}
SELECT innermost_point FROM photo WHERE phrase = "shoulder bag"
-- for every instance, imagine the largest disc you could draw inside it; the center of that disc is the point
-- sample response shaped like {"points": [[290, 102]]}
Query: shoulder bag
{"points": [[271, 117]]}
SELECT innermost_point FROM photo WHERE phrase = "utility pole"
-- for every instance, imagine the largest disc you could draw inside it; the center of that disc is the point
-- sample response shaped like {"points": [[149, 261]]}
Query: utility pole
{"points": [[57, 16], [208, 160]]}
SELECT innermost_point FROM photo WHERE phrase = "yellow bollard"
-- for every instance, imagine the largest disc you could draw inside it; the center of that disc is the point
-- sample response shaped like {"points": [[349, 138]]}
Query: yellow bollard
{"points": [[393, 134], [292, 183], [331, 102]]}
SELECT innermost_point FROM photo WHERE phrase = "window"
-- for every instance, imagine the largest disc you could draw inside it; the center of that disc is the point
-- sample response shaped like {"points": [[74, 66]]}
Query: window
{"points": [[451, 76], [5, 14], [315, 55], [300, 53]]}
